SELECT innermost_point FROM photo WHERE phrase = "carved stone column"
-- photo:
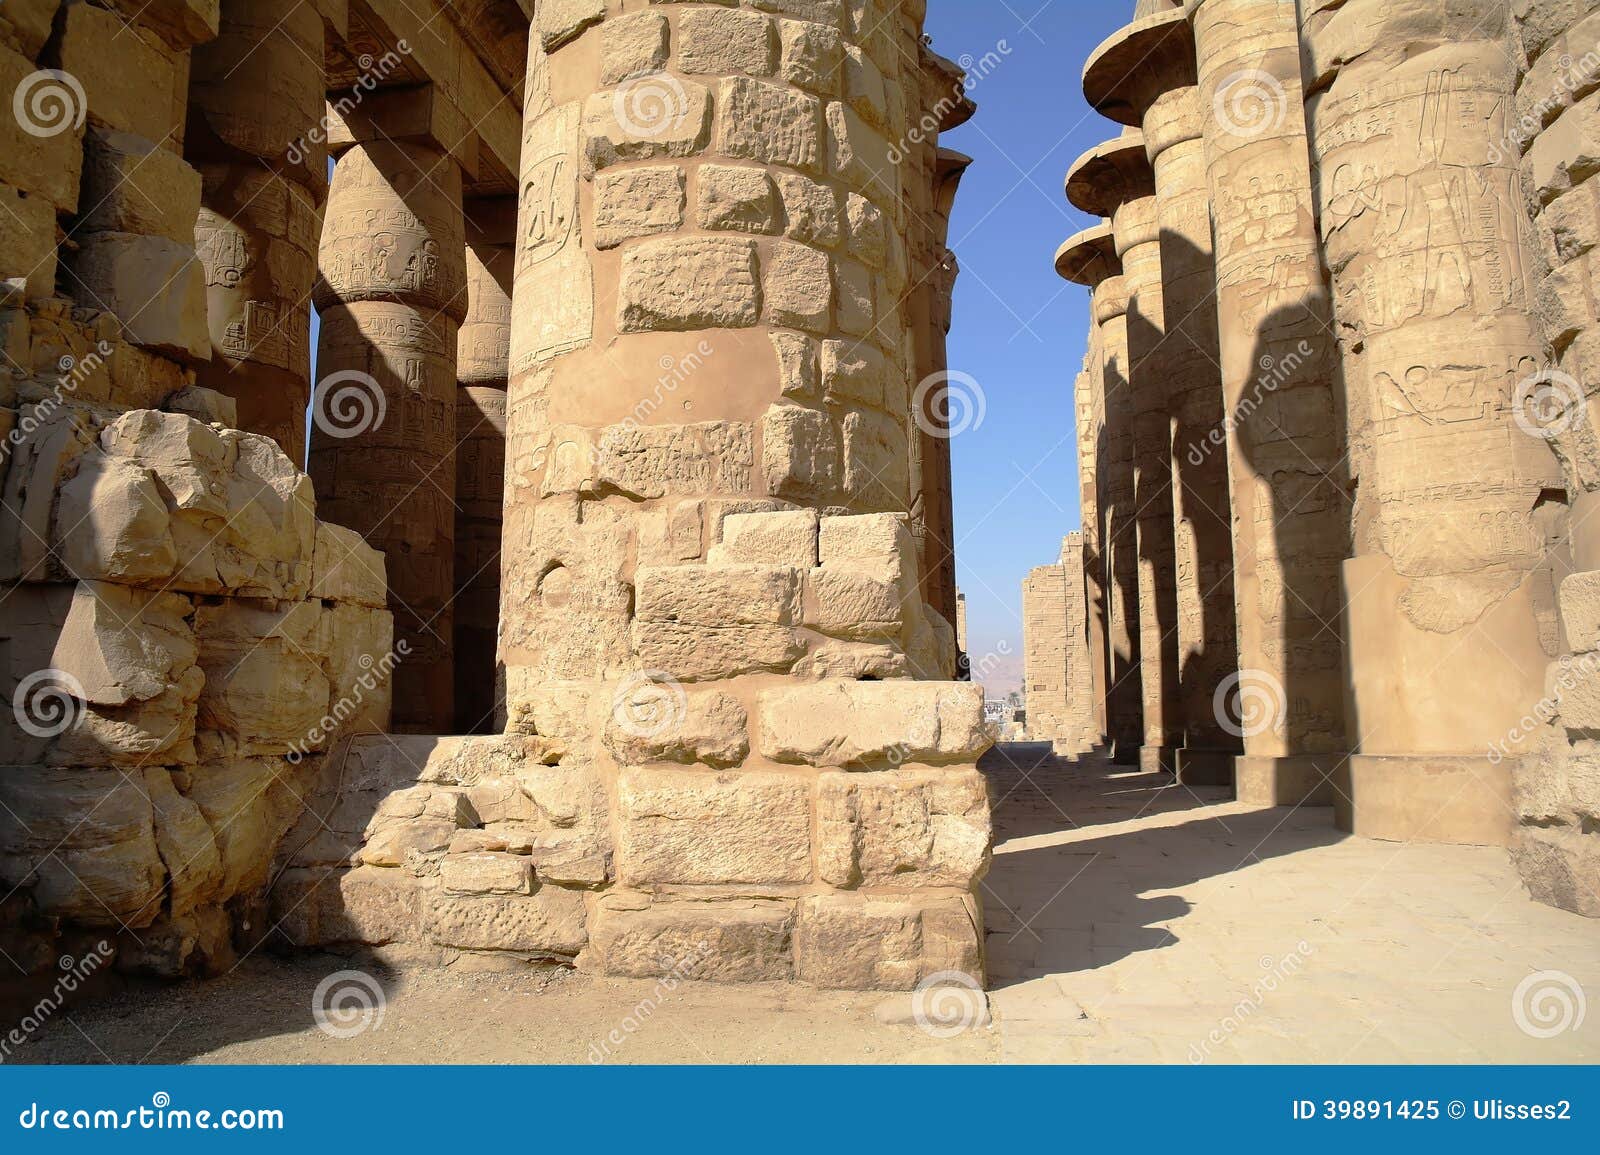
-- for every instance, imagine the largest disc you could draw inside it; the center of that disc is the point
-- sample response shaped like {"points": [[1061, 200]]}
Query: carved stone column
{"points": [[255, 107], [1090, 258], [1427, 242], [1115, 180], [391, 298], [1287, 481], [1090, 412], [1144, 76], [483, 365]]}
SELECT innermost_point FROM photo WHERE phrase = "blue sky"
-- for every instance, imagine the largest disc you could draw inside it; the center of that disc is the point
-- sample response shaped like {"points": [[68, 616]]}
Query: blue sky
{"points": [[1019, 329]]}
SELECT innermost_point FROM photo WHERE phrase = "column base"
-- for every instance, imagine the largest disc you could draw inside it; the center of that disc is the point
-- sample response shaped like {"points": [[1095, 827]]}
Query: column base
{"points": [[1158, 759], [1292, 780], [1201, 767], [1446, 798], [1124, 753]]}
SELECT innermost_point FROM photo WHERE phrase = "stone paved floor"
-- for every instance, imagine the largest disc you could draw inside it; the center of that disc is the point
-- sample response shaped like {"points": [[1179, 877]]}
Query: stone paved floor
{"points": [[1129, 921]]}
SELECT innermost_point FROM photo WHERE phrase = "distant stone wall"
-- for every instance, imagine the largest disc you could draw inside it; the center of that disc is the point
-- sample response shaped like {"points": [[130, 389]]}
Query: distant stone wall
{"points": [[1059, 684]]}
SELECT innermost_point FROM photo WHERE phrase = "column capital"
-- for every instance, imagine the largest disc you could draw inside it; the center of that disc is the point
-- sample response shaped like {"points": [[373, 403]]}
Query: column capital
{"points": [[1111, 174], [1137, 63], [1089, 257]]}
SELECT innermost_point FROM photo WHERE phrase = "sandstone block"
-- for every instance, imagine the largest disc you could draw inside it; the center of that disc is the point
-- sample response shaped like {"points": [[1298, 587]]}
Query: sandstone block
{"points": [[1580, 610], [857, 302], [688, 283], [731, 595], [800, 453], [120, 270], [728, 942], [723, 40], [809, 55], [864, 87], [486, 873], [875, 458], [786, 538], [188, 848], [859, 155], [695, 653], [131, 185], [27, 241], [853, 661], [797, 288], [829, 12], [250, 803], [858, 724], [115, 524], [652, 461], [48, 163], [879, 545], [869, 236], [346, 569], [637, 202], [770, 123], [797, 365], [655, 722], [631, 45], [903, 828], [551, 922], [558, 21], [811, 210], [1560, 866], [737, 199], [846, 942], [366, 905], [206, 406], [691, 827], [853, 371], [649, 116], [140, 93], [844, 604]]}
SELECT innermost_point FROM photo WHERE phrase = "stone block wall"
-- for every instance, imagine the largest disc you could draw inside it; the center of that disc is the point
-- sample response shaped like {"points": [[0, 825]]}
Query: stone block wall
{"points": [[1059, 680], [775, 800], [1555, 759], [180, 637]]}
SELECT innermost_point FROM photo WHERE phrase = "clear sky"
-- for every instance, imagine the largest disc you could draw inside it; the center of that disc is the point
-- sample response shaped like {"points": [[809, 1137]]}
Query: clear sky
{"points": [[1019, 329]]}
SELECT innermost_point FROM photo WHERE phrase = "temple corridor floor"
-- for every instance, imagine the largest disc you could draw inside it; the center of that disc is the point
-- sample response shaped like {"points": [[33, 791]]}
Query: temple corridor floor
{"points": [[1128, 921]]}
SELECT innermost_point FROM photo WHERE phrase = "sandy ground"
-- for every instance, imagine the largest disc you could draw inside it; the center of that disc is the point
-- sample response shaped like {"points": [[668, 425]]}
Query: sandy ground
{"points": [[1128, 920]]}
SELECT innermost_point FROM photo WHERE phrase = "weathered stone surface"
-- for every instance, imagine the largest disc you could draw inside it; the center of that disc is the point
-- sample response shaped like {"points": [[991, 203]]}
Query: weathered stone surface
{"points": [[688, 284], [810, 54], [645, 118], [331, 907], [705, 653], [720, 41], [655, 722], [795, 287], [346, 569], [729, 942], [724, 595], [811, 210], [632, 45], [637, 202], [737, 199], [852, 605], [119, 269], [856, 724], [486, 873], [846, 942], [132, 185], [788, 538], [902, 828], [696, 827], [800, 453], [770, 123]]}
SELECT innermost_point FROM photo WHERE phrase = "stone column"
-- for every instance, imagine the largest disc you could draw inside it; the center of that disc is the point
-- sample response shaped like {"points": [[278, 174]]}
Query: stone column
{"points": [[1426, 240], [391, 299], [1287, 481], [711, 598], [1144, 76], [1090, 258], [483, 363], [255, 108], [1115, 180], [1089, 404]]}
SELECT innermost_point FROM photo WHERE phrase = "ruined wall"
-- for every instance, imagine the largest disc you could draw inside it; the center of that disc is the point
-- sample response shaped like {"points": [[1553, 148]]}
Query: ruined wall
{"points": [[1059, 684], [1555, 778], [180, 638]]}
